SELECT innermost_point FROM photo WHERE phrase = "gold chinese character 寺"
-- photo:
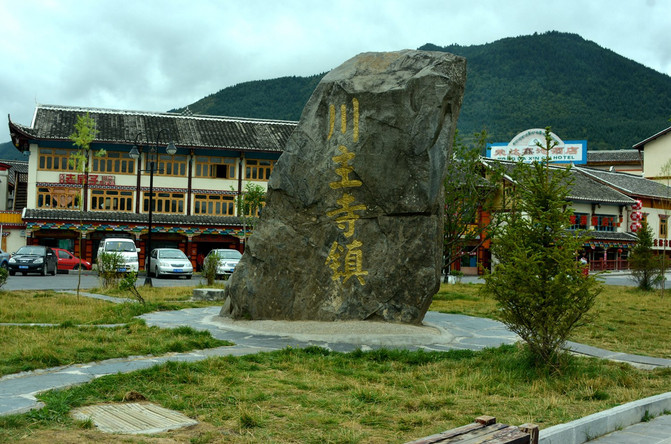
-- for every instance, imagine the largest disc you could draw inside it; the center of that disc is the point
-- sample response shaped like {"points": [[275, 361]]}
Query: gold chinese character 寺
{"points": [[348, 218]]}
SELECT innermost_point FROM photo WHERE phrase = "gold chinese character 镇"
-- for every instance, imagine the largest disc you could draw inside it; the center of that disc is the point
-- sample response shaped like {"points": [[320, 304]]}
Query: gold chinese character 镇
{"points": [[349, 265]]}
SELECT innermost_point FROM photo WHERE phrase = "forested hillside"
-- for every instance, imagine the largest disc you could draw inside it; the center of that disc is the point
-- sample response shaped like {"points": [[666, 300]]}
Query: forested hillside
{"points": [[554, 79], [9, 152], [282, 99]]}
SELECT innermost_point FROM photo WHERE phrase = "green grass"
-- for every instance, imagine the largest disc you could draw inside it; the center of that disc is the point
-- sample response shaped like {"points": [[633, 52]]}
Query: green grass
{"points": [[75, 337], [623, 319], [31, 348], [314, 395], [55, 308]]}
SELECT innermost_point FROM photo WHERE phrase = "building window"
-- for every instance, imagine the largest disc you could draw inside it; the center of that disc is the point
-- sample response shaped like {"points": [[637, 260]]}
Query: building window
{"points": [[53, 159], [258, 210], [164, 202], [215, 167], [604, 222], [111, 200], [58, 198], [168, 165], [258, 169], [578, 221], [113, 162], [214, 204], [663, 227]]}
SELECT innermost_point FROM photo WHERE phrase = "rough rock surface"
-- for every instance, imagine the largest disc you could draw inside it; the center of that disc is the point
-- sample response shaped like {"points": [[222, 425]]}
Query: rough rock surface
{"points": [[352, 228]]}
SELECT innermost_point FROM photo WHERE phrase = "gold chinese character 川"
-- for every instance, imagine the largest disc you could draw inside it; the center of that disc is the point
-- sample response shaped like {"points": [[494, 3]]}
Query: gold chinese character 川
{"points": [[344, 170], [348, 264], [343, 120], [348, 218]]}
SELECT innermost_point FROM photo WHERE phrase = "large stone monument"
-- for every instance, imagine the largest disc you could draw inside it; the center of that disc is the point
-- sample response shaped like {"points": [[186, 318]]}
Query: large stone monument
{"points": [[352, 228]]}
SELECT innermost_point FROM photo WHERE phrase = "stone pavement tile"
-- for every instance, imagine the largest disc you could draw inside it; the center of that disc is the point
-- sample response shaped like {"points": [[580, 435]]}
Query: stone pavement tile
{"points": [[655, 431]]}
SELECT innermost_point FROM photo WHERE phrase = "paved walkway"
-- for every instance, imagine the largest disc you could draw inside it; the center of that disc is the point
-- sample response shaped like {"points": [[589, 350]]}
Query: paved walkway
{"points": [[441, 332]]}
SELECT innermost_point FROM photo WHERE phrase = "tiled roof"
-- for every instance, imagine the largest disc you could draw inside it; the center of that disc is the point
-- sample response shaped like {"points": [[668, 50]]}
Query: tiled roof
{"points": [[611, 236], [121, 217], [20, 166], [584, 188], [614, 156], [17, 166], [629, 184], [188, 131]]}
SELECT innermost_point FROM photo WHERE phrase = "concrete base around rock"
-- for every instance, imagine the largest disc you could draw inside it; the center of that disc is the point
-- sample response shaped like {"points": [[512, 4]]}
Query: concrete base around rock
{"points": [[208, 294]]}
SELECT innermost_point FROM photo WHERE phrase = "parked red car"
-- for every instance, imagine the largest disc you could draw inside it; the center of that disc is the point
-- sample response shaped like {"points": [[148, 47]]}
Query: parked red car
{"points": [[68, 261]]}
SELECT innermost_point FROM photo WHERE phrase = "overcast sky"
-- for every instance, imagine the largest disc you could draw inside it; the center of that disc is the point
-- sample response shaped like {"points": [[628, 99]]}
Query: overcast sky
{"points": [[155, 55]]}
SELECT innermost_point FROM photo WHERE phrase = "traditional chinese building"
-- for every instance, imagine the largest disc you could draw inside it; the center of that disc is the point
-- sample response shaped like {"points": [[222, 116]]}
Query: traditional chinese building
{"points": [[654, 198], [194, 190], [599, 207]]}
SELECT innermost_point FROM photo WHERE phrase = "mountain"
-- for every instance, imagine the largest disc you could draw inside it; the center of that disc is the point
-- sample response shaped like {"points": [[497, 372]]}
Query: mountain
{"points": [[9, 152], [282, 99], [580, 89]]}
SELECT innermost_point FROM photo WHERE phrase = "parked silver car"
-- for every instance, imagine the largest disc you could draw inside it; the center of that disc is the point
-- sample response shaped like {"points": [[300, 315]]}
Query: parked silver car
{"points": [[168, 262], [228, 259]]}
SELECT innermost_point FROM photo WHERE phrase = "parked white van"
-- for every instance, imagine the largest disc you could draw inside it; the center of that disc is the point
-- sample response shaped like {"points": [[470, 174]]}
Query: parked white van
{"points": [[126, 248]]}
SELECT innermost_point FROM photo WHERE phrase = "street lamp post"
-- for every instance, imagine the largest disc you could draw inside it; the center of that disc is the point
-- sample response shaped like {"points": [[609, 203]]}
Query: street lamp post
{"points": [[152, 158]]}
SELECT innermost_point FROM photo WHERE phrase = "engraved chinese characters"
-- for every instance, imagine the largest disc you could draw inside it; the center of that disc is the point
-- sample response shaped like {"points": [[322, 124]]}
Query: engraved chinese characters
{"points": [[352, 227], [346, 260]]}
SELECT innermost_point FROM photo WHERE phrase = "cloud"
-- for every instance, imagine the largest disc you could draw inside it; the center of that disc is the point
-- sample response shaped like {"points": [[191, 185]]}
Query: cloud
{"points": [[156, 55]]}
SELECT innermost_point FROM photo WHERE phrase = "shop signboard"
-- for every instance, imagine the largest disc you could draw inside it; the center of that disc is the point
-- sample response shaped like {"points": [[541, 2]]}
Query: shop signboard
{"points": [[528, 146]]}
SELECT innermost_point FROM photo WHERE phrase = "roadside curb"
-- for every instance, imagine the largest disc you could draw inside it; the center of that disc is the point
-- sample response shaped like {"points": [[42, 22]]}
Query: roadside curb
{"points": [[601, 423]]}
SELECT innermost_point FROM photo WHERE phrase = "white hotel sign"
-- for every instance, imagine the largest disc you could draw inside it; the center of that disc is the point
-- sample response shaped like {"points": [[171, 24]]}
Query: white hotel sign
{"points": [[525, 147]]}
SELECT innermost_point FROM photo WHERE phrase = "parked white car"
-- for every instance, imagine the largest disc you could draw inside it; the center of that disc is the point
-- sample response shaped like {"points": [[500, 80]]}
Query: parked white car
{"points": [[163, 262], [126, 248], [228, 259]]}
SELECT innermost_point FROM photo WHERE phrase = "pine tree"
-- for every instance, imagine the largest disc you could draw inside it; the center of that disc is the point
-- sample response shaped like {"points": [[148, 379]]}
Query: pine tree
{"points": [[538, 282], [646, 267]]}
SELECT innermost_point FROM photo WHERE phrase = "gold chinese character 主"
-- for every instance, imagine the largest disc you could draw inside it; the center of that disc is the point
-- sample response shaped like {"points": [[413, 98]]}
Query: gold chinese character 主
{"points": [[346, 264], [344, 170], [349, 217]]}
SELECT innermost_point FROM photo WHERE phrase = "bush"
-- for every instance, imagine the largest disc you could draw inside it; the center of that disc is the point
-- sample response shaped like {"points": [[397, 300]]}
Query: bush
{"points": [[3, 276], [210, 266], [646, 266], [108, 266]]}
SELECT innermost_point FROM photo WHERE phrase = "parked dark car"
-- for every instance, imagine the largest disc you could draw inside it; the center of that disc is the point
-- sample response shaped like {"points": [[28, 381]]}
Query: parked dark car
{"points": [[68, 261], [33, 259]]}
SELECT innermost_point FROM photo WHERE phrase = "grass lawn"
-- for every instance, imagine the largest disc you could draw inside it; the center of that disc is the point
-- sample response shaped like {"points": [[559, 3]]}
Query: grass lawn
{"points": [[623, 319], [314, 395], [76, 337]]}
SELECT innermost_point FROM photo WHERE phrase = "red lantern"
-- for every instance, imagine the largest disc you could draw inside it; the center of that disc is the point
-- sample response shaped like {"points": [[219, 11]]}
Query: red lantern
{"points": [[637, 205], [583, 220], [572, 219]]}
